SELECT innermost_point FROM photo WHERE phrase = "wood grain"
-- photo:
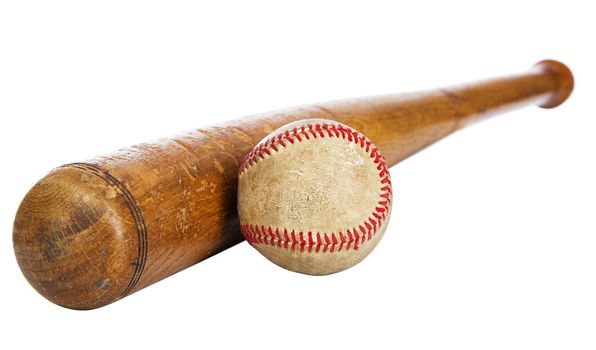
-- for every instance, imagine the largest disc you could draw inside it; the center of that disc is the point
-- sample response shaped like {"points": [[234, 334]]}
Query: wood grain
{"points": [[92, 232]]}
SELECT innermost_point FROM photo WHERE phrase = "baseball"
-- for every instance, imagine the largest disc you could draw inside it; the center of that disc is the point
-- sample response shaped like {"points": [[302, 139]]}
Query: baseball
{"points": [[314, 196]]}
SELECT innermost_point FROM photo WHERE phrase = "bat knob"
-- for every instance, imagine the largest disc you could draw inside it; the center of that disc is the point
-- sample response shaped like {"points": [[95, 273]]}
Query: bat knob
{"points": [[75, 240], [563, 79]]}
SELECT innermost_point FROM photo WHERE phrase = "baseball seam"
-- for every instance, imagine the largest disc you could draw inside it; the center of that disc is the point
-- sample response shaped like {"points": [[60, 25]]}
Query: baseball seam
{"points": [[310, 241]]}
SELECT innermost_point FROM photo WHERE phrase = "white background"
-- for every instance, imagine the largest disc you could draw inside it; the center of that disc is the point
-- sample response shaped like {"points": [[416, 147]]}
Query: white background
{"points": [[492, 243]]}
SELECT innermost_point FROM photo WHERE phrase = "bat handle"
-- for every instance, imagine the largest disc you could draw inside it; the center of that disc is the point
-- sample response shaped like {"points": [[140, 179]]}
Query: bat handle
{"points": [[562, 79], [547, 84]]}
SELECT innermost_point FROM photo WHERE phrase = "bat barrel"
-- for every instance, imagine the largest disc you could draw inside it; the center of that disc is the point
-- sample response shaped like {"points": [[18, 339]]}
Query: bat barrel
{"points": [[90, 233]]}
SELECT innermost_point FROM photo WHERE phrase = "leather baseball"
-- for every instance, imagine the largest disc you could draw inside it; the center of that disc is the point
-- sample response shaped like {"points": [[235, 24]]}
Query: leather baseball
{"points": [[314, 196]]}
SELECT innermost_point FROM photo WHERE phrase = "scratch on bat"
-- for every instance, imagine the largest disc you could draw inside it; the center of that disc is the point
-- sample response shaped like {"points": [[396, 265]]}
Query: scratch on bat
{"points": [[211, 138], [218, 166]]}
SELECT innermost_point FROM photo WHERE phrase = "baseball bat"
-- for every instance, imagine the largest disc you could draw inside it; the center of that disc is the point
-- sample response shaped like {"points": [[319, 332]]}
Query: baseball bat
{"points": [[92, 232]]}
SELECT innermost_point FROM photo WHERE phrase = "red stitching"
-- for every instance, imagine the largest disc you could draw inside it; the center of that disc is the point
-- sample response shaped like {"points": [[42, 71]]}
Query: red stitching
{"points": [[314, 241]]}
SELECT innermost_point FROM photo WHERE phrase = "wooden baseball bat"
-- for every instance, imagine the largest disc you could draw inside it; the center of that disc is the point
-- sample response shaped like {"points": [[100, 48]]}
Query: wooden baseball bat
{"points": [[90, 233]]}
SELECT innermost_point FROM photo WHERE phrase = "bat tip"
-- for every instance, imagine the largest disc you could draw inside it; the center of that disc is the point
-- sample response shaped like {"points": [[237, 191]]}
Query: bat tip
{"points": [[74, 240]]}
